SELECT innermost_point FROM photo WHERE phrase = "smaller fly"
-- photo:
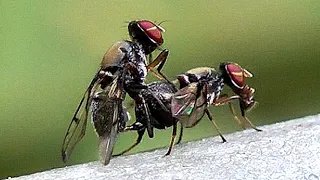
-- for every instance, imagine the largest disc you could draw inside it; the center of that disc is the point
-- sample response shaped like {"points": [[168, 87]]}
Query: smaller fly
{"points": [[123, 69], [199, 88], [197, 92]]}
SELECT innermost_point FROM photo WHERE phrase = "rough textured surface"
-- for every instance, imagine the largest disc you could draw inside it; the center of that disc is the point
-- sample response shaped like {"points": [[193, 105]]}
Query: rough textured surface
{"points": [[288, 150]]}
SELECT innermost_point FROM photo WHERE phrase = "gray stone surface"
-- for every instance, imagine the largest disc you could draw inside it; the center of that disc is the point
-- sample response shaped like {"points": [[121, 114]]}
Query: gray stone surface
{"points": [[287, 150]]}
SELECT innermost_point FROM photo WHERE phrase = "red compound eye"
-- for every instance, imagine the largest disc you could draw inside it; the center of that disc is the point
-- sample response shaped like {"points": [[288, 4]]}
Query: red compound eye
{"points": [[153, 31], [237, 74]]}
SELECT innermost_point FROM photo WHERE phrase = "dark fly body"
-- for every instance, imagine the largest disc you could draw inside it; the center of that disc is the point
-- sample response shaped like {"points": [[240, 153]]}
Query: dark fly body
{"points": [[168, 105], [123, 69], [198, 89], [158, 98]]}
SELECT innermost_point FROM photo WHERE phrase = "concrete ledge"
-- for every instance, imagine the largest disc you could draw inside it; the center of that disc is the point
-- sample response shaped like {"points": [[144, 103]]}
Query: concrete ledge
{"points": [[287, 150]]}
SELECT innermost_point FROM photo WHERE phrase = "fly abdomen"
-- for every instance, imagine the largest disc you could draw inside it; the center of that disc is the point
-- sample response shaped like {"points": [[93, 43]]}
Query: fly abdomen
{"points": [[102, 108]]}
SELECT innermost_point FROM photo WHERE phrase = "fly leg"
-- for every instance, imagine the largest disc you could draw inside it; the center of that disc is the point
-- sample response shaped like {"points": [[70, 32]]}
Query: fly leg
{"points": [[215, 125], [142, 107], [135, 126], [160, 60], [173, 136], [138, 126], [235, 116], [248, 121], [148, 117], [223, 99], [180, 135], [240, 121], [166, 109]]}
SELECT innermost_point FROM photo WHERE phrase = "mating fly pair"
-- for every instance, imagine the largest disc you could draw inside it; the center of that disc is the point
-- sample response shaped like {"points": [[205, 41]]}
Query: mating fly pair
{"points": [[123, 70], [199, 88], [157, 105]]}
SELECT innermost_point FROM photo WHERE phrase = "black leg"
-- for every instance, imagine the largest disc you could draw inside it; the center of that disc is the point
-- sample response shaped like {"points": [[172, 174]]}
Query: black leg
{"points": [[140, 135], [180, 135], [215, 125], [173, 136], [148, 118]]}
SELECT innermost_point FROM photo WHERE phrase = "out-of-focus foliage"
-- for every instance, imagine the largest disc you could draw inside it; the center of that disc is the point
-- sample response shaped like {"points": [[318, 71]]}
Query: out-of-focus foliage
{"points": [[50, 50]]}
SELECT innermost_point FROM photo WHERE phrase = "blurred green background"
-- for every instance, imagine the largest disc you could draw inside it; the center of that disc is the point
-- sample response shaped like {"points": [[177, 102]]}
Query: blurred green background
{"points": [[50, 51]]}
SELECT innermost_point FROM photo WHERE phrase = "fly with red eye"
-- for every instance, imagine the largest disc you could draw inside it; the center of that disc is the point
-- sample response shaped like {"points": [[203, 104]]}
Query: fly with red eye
{"points": [[169, 105], [204, 86], [123, 70], [187, 99]]}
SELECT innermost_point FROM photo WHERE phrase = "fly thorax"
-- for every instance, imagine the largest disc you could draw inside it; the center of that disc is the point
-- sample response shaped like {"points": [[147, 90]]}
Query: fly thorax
{"points": [[142, 70], [214, 89], [140, 61]]}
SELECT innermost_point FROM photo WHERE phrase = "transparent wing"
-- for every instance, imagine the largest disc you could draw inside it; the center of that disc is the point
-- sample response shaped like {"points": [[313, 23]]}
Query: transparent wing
{"points": [[107, 115], [106, 144], [78, 124], [184, 100], [106, 119], [188, 105]]}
